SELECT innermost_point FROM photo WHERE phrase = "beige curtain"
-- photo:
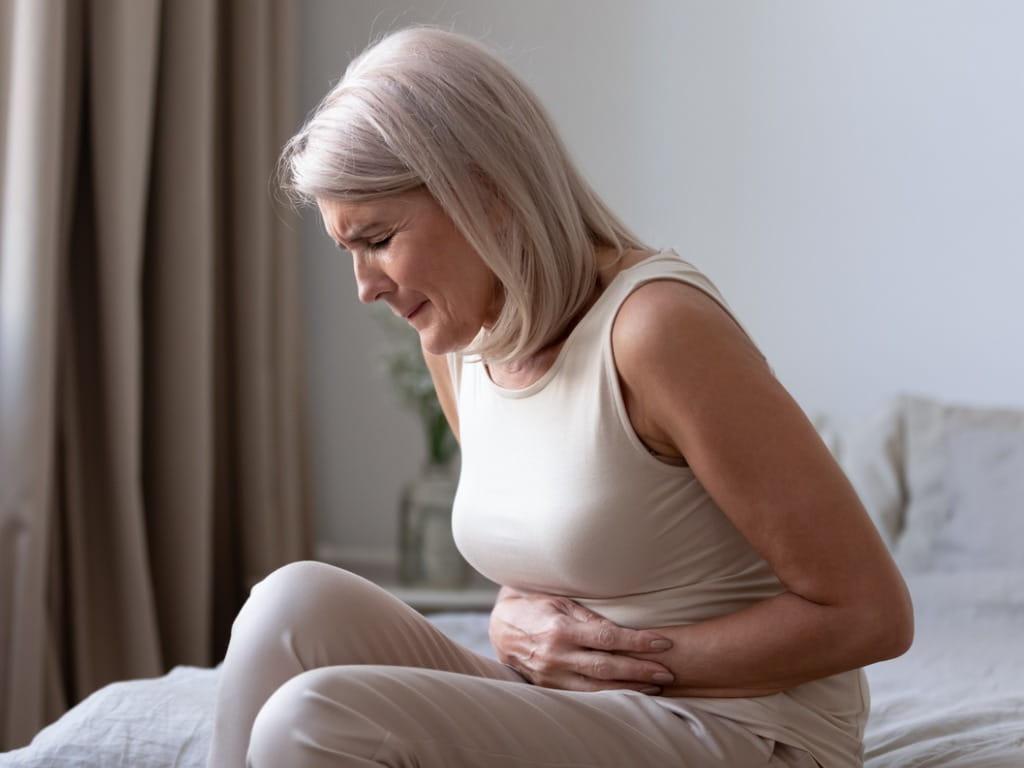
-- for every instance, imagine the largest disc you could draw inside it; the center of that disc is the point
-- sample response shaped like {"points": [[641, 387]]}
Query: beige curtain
{"points": [[152, 455]]}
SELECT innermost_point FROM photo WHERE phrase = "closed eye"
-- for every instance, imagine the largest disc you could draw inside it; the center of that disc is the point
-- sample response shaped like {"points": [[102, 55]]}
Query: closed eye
{"points": [[379, 245]]}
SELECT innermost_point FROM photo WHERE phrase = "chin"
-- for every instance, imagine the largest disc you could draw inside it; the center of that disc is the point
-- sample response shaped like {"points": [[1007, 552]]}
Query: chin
{"points": [[440, 345], [434, 345]]}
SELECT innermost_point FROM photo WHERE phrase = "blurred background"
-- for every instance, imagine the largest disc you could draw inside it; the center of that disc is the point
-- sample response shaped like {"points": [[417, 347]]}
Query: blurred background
{"points": [[850, 174], [190, 392]]}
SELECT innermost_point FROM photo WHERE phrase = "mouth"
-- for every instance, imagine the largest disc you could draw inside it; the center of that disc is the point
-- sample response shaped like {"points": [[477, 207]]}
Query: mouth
{"points": [[414, 311]]}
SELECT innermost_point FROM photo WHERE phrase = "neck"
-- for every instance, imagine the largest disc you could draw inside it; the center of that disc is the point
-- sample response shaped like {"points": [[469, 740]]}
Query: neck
{"points": [[524, 371]]}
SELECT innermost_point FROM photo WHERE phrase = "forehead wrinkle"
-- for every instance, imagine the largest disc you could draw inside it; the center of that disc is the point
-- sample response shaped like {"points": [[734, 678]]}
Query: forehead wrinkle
{"points": [[332, 217], [351, 223], [359, 232]]}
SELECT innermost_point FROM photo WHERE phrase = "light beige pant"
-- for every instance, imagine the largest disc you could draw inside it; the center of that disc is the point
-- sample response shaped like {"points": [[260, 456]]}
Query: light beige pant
{"points": [[325, 669]]}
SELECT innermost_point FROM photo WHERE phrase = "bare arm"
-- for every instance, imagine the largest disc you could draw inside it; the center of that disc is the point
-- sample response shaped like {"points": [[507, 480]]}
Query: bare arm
{"points": [[693, 382], [441, 376], [696, 387], [534, 628]]}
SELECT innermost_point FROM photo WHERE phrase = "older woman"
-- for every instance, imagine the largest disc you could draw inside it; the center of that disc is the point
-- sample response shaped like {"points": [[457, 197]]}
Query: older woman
{"points": [[689, 579]]}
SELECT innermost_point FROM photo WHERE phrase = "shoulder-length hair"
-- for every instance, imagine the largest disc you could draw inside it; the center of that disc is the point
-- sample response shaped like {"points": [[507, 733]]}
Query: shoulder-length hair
{"points": [[432, 108]]}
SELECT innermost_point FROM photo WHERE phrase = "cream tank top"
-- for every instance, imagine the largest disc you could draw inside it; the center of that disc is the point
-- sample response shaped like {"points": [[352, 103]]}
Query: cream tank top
{"points": [[557, 494]]}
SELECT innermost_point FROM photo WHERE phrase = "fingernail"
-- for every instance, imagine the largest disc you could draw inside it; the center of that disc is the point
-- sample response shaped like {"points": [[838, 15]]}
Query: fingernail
{"points": [[660, 645], [651, 690], [662, 677]]}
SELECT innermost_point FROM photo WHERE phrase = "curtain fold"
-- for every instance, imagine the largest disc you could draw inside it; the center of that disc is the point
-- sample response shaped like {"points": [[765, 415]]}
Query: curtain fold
{"points": [[180, 295], [34, 133], [112, 629], [152, 416]]}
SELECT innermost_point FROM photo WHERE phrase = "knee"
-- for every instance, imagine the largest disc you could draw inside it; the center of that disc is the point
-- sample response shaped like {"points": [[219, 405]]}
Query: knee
{"points": [[303, 589], [303, 577], [271, 738], [314, 719]]}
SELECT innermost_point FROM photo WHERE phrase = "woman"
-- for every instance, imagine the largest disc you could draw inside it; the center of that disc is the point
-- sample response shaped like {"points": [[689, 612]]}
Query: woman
{"points": [[688, 577]]}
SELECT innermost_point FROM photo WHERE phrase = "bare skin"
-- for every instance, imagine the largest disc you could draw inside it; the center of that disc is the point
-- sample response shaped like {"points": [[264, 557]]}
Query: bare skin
{"points": [[407, 253], [696, 391]]}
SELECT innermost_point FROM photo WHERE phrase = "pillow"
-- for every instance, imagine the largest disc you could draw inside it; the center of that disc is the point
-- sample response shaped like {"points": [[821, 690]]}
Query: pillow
{"points": [[984, 521], [827, 432], [873, 461], [964, 482]]}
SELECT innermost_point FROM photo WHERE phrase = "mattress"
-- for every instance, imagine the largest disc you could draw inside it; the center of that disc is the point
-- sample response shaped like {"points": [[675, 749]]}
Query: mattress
{"points": [[955, 700]]}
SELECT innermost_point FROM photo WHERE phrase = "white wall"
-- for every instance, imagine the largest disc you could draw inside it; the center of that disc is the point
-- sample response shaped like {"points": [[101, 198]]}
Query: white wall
{"points": [[850, 173]]}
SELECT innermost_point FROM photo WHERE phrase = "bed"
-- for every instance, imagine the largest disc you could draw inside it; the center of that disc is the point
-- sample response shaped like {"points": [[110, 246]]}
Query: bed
{"points": [[945, 485]]}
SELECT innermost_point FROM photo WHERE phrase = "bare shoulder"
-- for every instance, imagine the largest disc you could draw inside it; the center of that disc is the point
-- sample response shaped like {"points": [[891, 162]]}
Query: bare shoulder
{"points": [[697, 383], [669, 323], [681, 357]]}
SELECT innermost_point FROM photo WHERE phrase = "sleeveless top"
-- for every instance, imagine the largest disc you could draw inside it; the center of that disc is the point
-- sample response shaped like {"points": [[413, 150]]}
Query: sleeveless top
{"points": [[558, 495]]}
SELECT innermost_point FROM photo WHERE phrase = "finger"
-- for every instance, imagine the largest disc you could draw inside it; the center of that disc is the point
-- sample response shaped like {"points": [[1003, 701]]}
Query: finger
{"points": [[614, 667], [611, 636], [581, 613], [605, 635]]}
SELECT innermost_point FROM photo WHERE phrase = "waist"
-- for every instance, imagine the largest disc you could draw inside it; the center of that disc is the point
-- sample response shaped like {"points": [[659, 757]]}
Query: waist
{"points": [[684, 604], [824, 717]]}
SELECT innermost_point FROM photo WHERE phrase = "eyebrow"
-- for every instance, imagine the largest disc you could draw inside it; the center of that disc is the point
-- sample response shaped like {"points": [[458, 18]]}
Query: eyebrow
{"points": [[357, 234]]}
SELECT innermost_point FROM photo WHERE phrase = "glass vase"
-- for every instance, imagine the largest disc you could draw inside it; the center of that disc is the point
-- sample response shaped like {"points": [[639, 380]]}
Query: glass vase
{"points": [[428, 556]]}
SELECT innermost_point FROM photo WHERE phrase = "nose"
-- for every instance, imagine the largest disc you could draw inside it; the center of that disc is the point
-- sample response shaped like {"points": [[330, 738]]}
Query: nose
{"points": [[371, 280]]}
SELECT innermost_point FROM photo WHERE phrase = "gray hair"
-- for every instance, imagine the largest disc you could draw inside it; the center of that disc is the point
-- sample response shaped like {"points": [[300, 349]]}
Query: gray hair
{"points": [[432, 108]]}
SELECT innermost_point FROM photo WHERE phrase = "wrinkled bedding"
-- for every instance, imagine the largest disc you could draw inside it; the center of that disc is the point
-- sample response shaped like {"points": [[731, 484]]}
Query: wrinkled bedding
{"points": [[957, 697], [162, 722], [955, 700]]}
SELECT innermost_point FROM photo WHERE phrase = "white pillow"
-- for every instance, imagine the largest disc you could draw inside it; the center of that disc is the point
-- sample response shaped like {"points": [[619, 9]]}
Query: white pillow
{"points": [[872, 458], [964, 483], [827, 432], [984, 522]]}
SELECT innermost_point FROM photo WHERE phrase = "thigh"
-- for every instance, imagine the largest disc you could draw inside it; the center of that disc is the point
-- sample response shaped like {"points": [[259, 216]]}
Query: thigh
{"points": [[309, 615], [384, 716]]}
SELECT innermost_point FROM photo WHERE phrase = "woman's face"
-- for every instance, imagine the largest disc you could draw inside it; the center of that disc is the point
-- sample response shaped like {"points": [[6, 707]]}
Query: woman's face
{"points": [[407, 252]]}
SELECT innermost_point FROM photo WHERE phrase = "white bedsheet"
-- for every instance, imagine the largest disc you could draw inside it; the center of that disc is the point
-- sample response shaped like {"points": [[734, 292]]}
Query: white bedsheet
{"points": [[162, 722], [955, 700]]}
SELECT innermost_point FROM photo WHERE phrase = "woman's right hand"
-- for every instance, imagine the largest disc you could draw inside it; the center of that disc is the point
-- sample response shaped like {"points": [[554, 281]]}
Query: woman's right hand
{"points": [[557, 643]]}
